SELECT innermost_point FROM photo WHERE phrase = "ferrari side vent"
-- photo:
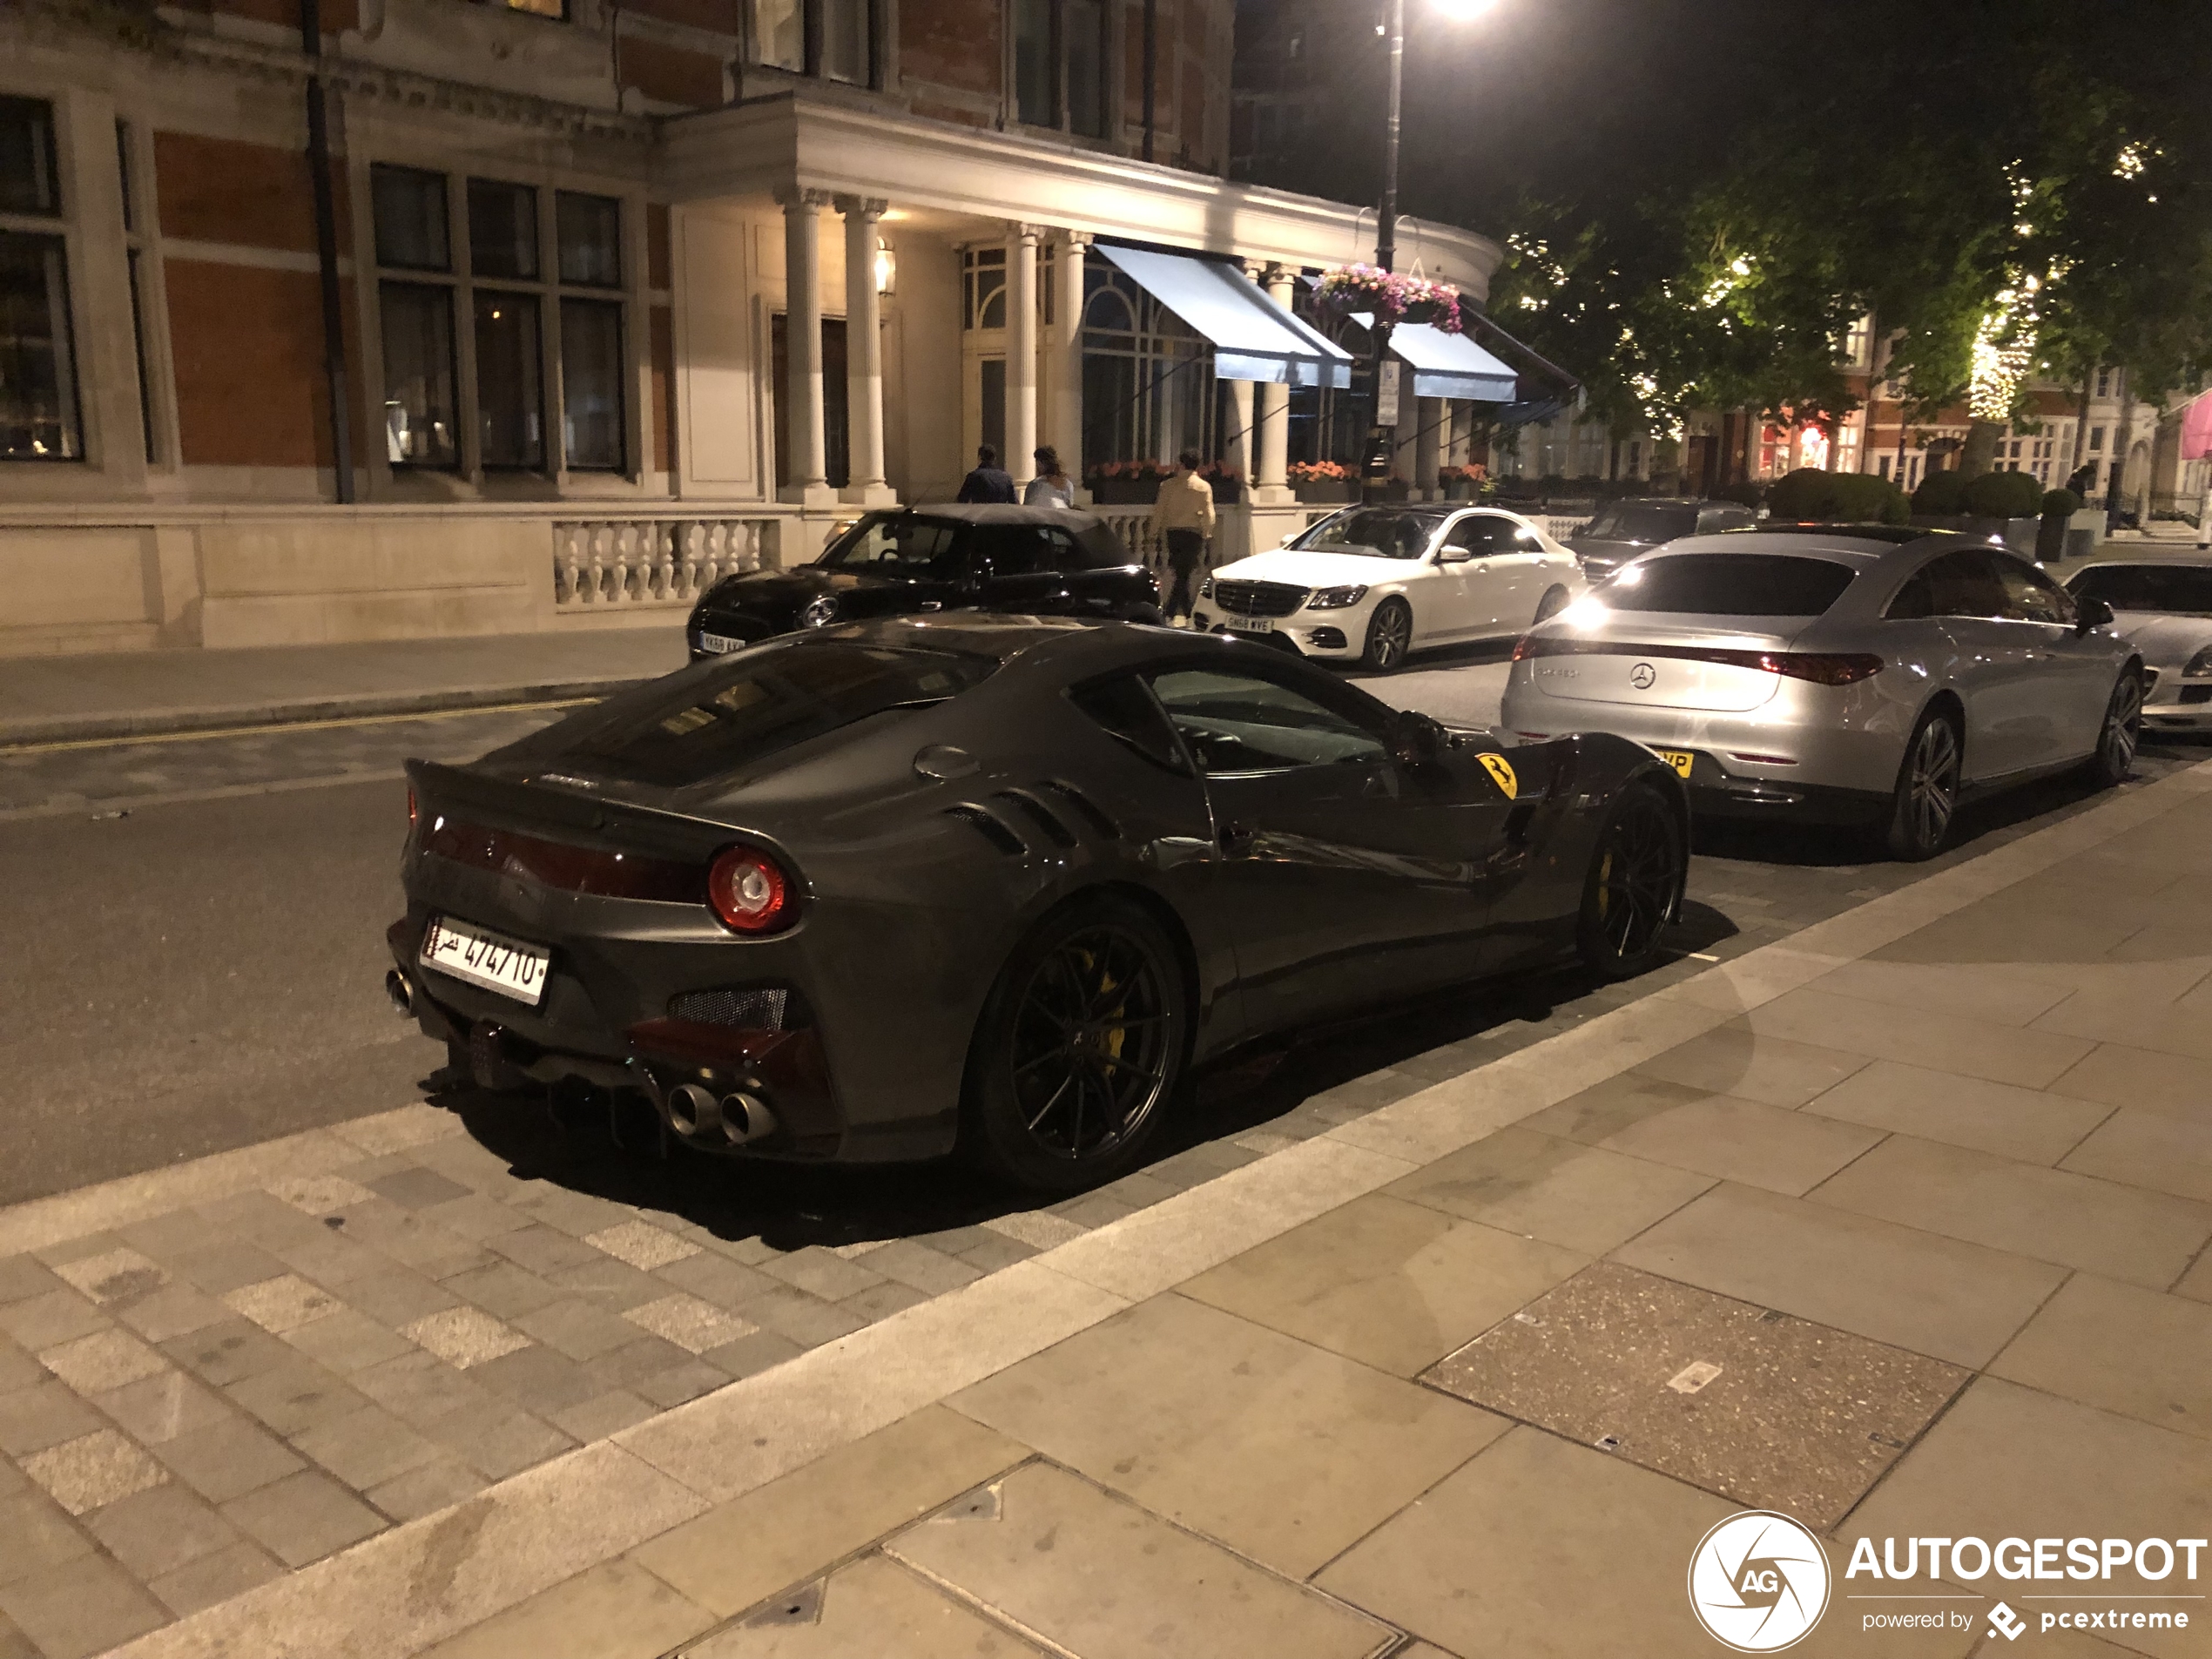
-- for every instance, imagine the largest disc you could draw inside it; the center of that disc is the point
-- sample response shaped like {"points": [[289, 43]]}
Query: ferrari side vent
{"points": [[1038, 813], [987, 825], [758, 1007], [1085, 808]]}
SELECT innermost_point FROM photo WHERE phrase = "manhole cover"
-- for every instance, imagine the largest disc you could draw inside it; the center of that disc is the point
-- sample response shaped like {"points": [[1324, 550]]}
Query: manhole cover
{"points": [[1772, 1411]]}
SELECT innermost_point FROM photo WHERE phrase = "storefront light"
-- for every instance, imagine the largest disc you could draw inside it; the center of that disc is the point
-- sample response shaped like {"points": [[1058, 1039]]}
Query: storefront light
{"points": [[887, 267]]}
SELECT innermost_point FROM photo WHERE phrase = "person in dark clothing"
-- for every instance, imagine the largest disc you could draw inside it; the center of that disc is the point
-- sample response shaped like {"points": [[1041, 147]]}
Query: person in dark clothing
{"points": [[989, 482]]}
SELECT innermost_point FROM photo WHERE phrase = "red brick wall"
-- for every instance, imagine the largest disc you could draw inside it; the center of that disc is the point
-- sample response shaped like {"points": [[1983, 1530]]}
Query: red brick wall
{"points": [[671, 73], [956, 44], [226, 190], [247, 349]]}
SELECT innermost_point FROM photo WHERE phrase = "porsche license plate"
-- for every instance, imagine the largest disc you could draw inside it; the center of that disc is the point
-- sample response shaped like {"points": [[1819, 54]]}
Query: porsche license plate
{"points": [[483, 957], [1681, 759], [719, 644], [1247, 624]]}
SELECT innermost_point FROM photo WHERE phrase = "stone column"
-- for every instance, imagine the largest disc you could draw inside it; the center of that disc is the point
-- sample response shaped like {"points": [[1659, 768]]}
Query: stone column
{"points": [[1064, 428], [1429, 417], [1460, 433], [864, 352], [1021, 352], [1272, 416], [802, 387]]}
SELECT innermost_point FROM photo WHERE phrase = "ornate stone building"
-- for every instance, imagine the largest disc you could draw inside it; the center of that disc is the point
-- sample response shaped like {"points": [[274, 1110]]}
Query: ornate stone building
{"points": [[329, 320]]}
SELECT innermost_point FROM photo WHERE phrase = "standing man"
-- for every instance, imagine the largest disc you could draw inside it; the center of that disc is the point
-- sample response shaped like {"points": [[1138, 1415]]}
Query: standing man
{"points": [[990, 483], [1183, 517]]}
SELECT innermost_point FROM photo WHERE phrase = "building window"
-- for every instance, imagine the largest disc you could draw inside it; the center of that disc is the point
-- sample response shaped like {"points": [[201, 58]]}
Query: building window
{"points": [[514, 289], [39, 417], [832, 39], [1148, 386], [2096, 440], [2104, 382], [983, 287], [1059, 66]]}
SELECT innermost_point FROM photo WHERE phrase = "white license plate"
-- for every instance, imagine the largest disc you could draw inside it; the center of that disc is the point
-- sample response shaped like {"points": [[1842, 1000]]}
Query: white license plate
{"points": [[719, 644], [1247, 624], [483, 957]]}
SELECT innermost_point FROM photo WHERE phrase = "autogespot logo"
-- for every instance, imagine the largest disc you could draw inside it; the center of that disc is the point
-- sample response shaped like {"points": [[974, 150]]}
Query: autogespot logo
{"points": [[1758, 1581]]}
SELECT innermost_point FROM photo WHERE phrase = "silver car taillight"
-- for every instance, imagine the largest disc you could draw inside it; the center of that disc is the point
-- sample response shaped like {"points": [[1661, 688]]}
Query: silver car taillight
{"points": [[1822, 668]]}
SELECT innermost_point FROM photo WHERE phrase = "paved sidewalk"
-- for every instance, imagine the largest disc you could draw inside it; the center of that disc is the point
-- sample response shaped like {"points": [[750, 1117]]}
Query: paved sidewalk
{"points": [[1927, 1182], [130, 693]]}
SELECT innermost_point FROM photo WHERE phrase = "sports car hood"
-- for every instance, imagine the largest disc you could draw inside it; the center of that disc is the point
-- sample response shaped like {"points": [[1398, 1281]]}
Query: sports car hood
{"points": [[1304, 570], [2166, 640]]}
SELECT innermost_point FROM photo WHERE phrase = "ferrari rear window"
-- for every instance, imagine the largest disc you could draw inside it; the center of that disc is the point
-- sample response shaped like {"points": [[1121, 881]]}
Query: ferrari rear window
{"points": [[760, 702], [1729, 584]]}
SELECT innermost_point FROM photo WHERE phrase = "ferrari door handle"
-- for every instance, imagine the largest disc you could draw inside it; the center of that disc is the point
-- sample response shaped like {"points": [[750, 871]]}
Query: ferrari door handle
{"points": [[1237, 839], [933, 605]]}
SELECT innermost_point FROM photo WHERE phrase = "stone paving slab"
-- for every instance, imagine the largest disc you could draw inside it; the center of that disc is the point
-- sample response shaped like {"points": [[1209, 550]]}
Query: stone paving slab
{"points": [[514, 1287]]}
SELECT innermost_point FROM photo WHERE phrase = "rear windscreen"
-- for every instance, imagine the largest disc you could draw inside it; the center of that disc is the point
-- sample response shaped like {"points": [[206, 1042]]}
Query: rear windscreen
{"points": [[762, 701], [1729, 584], [1636, 524]]}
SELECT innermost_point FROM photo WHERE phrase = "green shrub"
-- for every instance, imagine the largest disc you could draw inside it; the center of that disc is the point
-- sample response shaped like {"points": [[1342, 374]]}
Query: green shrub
{"points": [[1941, 495], [2004, 495], [1810, 496], [1746, 493], [2061, 503]]}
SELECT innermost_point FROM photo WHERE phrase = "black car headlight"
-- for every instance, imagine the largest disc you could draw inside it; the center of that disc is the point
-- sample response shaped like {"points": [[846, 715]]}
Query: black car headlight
{"points": [[1205, 588], [1335, 599], [819, 613]]}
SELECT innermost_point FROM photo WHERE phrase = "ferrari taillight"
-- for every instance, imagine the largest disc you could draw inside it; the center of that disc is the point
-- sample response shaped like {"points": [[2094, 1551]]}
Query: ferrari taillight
{"points": [[413, 811], [749, 891]]}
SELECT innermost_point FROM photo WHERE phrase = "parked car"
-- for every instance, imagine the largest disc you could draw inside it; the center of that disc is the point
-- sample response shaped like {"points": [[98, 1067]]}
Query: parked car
{"points": [[1035, 561], [866, 890], [1374, 583], [1624, 529], [1842, 673], [2165, 607]]}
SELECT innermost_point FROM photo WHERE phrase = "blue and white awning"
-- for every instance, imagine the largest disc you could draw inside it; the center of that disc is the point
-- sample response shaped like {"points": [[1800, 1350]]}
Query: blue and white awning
{"points": [[1254, 339], [1451, 365]]}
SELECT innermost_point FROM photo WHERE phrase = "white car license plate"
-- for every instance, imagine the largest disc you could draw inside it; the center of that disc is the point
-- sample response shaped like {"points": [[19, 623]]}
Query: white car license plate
{"points": [[483, 957], [1249, 624], [718, 643]]}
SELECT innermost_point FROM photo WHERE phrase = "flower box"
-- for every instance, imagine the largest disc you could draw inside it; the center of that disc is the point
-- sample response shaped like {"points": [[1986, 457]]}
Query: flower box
{"points": [[1227, 492], [1124, 492], [1321, 491]]}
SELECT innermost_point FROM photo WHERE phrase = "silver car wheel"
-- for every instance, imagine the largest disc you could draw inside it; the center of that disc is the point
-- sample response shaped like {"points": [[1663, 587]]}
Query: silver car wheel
{"points": [[1932, 788], [1389, 634], [2124, 726]]}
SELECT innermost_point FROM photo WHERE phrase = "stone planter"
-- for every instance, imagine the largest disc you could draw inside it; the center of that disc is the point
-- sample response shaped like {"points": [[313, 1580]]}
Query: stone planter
{"points": [[1227, 492], [1325, 491]]}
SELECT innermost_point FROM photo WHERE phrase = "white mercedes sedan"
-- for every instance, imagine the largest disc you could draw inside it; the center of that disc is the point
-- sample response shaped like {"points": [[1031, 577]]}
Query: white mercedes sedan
{"points": [[1372, 583]]}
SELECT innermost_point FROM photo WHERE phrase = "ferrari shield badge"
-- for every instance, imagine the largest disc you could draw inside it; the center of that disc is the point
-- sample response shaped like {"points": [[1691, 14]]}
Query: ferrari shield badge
{"points": [[1500, 771]]}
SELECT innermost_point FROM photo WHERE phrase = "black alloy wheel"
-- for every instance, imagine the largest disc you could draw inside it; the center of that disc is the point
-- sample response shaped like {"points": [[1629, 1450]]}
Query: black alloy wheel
{"points": [[1927, 789], [1634, 885], [1390, 635], [1079, 1048], [2121, 732]]}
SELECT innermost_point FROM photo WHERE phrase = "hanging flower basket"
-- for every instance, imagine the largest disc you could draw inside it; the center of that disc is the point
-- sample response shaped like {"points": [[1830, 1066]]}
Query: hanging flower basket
{"points": [[1394, 299]]}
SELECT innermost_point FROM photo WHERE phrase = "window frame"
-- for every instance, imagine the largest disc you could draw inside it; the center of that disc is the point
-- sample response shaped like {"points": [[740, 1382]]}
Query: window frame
{"points": [[876, 18], [628, 297], [1062, 121], [58, 225]]}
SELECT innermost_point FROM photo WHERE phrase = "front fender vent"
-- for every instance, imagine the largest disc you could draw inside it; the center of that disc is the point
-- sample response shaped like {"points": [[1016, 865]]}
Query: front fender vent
{"points": [[986, 824]]}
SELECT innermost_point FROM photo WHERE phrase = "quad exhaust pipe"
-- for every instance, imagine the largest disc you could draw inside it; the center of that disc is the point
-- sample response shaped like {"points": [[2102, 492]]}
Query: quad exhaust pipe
{"points": [[716, 1123]]}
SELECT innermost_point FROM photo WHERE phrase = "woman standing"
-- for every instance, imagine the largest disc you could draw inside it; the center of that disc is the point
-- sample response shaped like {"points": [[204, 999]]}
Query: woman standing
{"points": [[1051, 487]]}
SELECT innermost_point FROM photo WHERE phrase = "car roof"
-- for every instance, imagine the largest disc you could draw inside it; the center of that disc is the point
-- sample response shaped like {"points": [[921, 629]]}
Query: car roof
{"points": [[2190, 560], [1864, 547], [996, 513]]}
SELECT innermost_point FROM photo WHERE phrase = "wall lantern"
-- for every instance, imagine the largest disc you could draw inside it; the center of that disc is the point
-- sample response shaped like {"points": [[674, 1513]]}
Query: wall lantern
{"points": [[887, 267]]}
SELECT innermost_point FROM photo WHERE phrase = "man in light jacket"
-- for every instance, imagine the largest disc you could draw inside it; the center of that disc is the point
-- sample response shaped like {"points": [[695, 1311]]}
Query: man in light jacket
{"points": [[1183, 517]]}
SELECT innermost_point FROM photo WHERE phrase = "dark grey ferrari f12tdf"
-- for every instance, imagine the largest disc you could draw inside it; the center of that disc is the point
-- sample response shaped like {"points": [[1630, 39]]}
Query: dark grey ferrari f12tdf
{"points": [[876, 889]]}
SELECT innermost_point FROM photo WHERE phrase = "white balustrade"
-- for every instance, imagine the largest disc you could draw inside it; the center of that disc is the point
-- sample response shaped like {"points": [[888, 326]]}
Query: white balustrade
{"points": [[651, 560]]}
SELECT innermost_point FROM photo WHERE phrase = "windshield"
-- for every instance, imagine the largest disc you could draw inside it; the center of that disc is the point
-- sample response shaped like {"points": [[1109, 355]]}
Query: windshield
{"points": [[1625, 522], [762, 701], [1728, 585], [1371, 532], [892, 540], [2184, 589]]}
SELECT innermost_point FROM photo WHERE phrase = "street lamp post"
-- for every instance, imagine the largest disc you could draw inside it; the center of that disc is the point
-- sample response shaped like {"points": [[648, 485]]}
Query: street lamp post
{"points": [[1381, 434]]}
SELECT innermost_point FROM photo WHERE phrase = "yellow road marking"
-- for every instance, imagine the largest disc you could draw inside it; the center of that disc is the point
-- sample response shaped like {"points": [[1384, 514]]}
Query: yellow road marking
{"points": [[334, 724]]}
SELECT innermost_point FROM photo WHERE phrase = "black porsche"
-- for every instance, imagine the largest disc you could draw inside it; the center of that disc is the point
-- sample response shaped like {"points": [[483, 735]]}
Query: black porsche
{"points": [[876, 888], [1034, 561]]}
